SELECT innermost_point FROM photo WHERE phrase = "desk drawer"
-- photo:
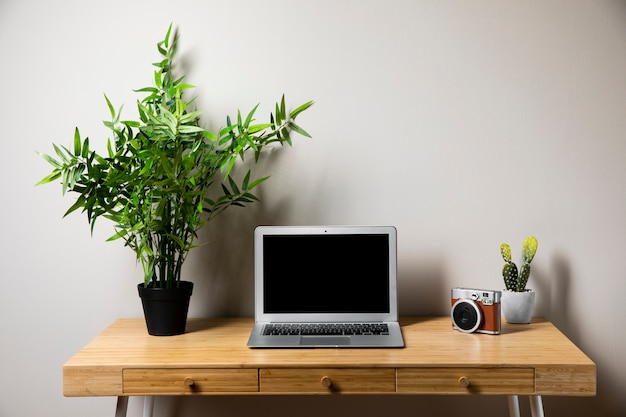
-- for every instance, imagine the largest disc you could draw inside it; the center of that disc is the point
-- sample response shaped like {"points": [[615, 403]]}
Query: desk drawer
{"points": [[189, 381], [466, 380], [327, 380]]}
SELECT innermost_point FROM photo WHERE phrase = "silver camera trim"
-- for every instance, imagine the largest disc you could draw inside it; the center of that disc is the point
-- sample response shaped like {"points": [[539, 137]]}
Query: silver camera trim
{"points": [[479, 315], [476, 294]]}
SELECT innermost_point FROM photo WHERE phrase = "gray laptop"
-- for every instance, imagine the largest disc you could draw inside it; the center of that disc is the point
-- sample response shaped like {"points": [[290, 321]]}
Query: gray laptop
{"points": [[325, 286]]}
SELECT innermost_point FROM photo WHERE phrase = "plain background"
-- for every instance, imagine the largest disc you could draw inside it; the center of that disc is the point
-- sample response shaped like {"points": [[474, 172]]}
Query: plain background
{"points": [[463, 123]]}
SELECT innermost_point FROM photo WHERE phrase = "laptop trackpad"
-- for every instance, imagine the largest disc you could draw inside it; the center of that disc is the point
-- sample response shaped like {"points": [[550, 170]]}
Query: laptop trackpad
{"points": [[324, 340]]}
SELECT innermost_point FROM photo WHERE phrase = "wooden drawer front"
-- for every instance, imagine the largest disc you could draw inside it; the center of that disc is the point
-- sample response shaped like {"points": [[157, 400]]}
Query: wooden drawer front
{"points": [[189, 381], [466, 380], [329, 380]]}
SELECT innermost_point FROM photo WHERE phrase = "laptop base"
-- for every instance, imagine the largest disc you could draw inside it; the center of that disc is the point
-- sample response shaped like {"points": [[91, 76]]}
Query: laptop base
{"points": [[392, 340]]}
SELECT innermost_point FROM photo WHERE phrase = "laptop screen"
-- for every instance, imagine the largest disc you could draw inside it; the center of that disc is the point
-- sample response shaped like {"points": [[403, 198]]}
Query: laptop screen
{"points": [[326, 273]]}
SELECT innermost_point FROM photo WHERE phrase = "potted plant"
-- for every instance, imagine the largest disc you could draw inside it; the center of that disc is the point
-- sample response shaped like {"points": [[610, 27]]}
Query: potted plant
{"points": [[518, 301], [164, 176]]}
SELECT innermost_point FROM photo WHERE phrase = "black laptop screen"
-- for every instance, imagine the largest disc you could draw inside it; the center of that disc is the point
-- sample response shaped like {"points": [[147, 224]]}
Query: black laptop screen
{"points": [[327, 273]]}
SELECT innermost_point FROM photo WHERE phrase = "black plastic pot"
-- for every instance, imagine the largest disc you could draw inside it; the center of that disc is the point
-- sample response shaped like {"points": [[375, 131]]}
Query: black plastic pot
{"points": [[165, 309]]}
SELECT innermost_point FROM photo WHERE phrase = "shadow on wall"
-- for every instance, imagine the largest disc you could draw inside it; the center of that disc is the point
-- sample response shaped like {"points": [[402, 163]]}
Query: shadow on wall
{"points": [[421, 288], [226, 261], [222, 266], [553, 288]]}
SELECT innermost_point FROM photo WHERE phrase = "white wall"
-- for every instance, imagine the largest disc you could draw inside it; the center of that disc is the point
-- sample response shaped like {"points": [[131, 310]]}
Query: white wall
{"points": [[465, 124]]}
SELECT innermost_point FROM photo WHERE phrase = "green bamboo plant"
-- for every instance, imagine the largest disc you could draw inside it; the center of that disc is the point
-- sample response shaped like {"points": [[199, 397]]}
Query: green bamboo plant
{"points": [[164, 176], [513, 280]]}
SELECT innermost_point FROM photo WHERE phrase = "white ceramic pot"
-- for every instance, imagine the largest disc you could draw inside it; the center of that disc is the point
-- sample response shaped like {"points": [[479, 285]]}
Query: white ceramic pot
{"points": [[517, 307]]}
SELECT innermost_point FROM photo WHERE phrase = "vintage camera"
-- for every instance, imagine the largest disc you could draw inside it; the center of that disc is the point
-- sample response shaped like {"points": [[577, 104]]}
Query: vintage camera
{"points": [[476, 310]]}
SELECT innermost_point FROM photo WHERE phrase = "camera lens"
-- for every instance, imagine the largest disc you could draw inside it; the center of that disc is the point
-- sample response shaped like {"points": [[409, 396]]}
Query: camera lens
{"points": [[466, 315]]}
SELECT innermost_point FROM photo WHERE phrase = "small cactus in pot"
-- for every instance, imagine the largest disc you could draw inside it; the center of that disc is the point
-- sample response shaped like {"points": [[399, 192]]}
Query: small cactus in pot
{"points": [[514, 280], [518, 302]]}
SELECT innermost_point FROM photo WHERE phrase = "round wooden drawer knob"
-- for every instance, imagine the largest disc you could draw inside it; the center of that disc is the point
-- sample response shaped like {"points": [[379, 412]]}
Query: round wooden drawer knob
{"points": [[326, 382], [464, 382], [189, 382]]}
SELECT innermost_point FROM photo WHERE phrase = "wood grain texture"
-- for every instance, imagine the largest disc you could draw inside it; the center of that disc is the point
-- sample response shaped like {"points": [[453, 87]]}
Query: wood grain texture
{"points": [[459, 381], [189, 381], [327, 381], [559, 367]]}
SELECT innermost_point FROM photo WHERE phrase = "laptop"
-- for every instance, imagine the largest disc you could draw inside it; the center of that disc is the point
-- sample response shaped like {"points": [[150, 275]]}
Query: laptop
{"points": [[325, 286]]}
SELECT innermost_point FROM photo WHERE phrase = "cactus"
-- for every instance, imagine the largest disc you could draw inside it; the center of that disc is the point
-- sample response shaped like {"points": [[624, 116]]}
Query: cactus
{"points": [[529, 248], [512, 280], [524, 273]]}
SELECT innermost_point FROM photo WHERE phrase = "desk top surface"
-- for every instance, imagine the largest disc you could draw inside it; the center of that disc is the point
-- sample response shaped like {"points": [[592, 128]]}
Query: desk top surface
{"points": [[430, 342]]}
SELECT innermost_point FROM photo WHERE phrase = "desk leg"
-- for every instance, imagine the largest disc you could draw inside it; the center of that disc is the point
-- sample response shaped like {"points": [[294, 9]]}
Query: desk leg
{"points": [[148, 406], [122, 406], [536, 406], [513, 406]]}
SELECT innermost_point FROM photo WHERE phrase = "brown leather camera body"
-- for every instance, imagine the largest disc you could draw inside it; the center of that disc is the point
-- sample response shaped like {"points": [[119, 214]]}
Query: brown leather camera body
{"points": [[476, 310]]}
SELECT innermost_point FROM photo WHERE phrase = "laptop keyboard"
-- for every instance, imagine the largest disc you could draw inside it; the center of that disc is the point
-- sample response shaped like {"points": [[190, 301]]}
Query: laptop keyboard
{"points": [[325, 329]]}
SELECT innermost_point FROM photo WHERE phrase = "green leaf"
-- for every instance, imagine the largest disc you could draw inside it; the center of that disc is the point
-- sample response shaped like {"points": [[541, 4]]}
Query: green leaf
{"points": [[185, 86], [250, 196], [77, 143], [111, 108], [131, 123], [298, 129], [162, 50], [233, 185], [257, 182], [157, 79], [110, 148], [167, 166], [162, 64], [147, 90], [286, 136], [58, 151], [283, 113], [231, 164], [246, 179], [226, 133], [51, 160], [190, 117], [300, 109], [250, 116], [189, 129], [119, 234], [85, 152], [259, 127], [279, 118], [55, 175], [210, 135], [167, 36], [80, 202]]}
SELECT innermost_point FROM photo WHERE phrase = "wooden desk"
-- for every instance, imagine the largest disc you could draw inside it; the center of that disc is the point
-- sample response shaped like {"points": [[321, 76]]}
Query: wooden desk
{"points": [[212, 358]]}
